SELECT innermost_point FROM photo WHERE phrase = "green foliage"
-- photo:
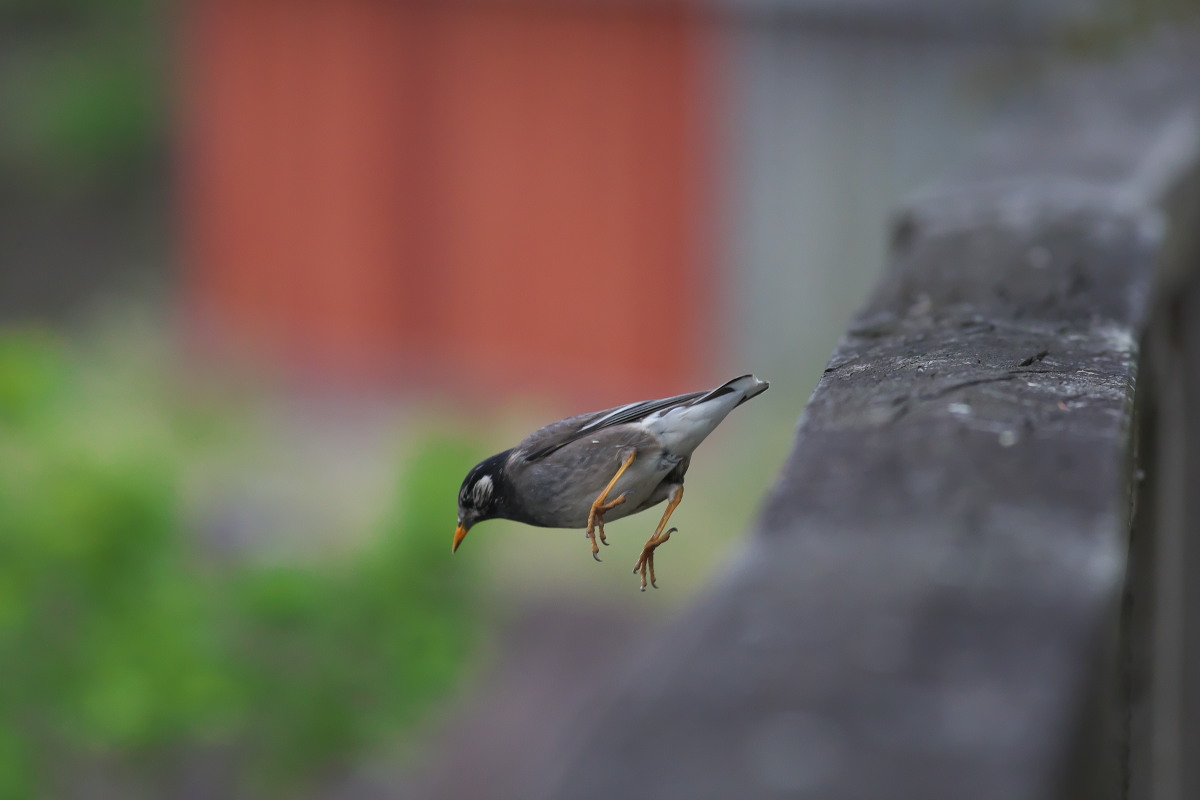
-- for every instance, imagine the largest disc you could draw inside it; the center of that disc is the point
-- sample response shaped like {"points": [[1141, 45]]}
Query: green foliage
{"points": [[83, 84], [122, 645]]}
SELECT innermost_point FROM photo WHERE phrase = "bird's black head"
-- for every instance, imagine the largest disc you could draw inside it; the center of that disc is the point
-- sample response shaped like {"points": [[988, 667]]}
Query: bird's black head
{"points": [[481, 495]]}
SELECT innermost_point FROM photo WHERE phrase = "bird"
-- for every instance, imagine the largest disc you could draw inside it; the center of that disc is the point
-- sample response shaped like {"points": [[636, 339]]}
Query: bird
{"points": [[585, 470]]}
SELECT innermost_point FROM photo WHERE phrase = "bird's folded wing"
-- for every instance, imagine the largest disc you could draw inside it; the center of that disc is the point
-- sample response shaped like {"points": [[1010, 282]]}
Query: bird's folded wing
{"points": [[556, 435]]}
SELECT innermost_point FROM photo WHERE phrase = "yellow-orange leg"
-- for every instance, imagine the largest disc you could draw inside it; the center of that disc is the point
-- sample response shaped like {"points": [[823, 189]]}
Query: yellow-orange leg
{"points": [[647, 559], [596, 515]]}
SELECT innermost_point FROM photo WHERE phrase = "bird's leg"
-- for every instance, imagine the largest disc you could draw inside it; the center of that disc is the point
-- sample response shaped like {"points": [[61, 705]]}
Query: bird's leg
{"points": [[647, 559], [596, 515]]}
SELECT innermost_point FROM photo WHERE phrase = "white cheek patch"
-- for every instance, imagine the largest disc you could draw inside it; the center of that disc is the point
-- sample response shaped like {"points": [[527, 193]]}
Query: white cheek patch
{"points": [[482, 490]]}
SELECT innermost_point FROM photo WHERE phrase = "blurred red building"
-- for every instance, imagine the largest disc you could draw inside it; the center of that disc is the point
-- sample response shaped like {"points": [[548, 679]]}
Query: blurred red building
{"points": [[504, 195]]}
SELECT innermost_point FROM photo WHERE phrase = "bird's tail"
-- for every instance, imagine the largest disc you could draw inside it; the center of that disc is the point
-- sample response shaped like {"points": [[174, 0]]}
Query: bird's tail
{"points": [[684, 426], [748, 386]]}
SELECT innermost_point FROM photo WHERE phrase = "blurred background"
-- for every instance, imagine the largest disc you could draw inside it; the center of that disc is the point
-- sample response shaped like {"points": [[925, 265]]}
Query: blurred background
{"points": [[274, 274]]}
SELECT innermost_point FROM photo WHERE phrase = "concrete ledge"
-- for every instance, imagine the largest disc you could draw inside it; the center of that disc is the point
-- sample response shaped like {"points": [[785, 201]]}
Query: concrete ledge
{"points": [[930, 604]]}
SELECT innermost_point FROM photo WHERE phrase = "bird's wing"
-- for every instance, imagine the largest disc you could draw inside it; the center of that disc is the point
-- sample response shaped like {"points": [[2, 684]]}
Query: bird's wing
{"points": [[543, 442]]}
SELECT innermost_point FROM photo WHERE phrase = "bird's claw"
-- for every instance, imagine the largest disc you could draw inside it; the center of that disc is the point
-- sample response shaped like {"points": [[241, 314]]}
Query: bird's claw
{"points": [[646, 562], [595, 549], [595, 524], [595, 532]]}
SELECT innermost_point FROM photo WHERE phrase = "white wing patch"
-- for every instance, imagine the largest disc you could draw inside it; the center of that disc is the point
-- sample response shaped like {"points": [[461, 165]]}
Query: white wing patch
{"points": [[599, 423]]}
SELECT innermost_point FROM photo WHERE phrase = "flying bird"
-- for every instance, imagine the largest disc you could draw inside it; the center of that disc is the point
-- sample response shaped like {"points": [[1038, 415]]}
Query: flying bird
{"points": [[585, 470]]}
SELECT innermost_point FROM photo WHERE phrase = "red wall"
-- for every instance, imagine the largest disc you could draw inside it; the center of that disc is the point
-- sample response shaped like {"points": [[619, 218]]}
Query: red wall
{"points": [[489, 196]]}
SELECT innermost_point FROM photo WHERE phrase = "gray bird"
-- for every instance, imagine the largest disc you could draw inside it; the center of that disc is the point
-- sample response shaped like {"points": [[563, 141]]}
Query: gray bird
{"points": [[584, 470]]}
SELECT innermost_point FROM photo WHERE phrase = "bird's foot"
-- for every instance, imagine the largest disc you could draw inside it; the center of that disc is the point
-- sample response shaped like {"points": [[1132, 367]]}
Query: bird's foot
{"points": [[594, 532], [595, 526], [646, 562]]}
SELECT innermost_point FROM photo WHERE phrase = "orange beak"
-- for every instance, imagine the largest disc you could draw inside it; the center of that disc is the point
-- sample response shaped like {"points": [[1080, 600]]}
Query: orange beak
{"points": [[460, 533]]}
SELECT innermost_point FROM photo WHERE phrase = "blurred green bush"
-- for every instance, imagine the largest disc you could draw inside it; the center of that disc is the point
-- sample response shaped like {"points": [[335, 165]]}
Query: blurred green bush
{"points": [[84, 85], [125, 648]]}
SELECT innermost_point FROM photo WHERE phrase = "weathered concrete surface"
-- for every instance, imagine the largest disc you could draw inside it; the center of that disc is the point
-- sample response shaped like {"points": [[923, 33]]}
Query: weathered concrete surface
{"points": [[929, 604]]}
